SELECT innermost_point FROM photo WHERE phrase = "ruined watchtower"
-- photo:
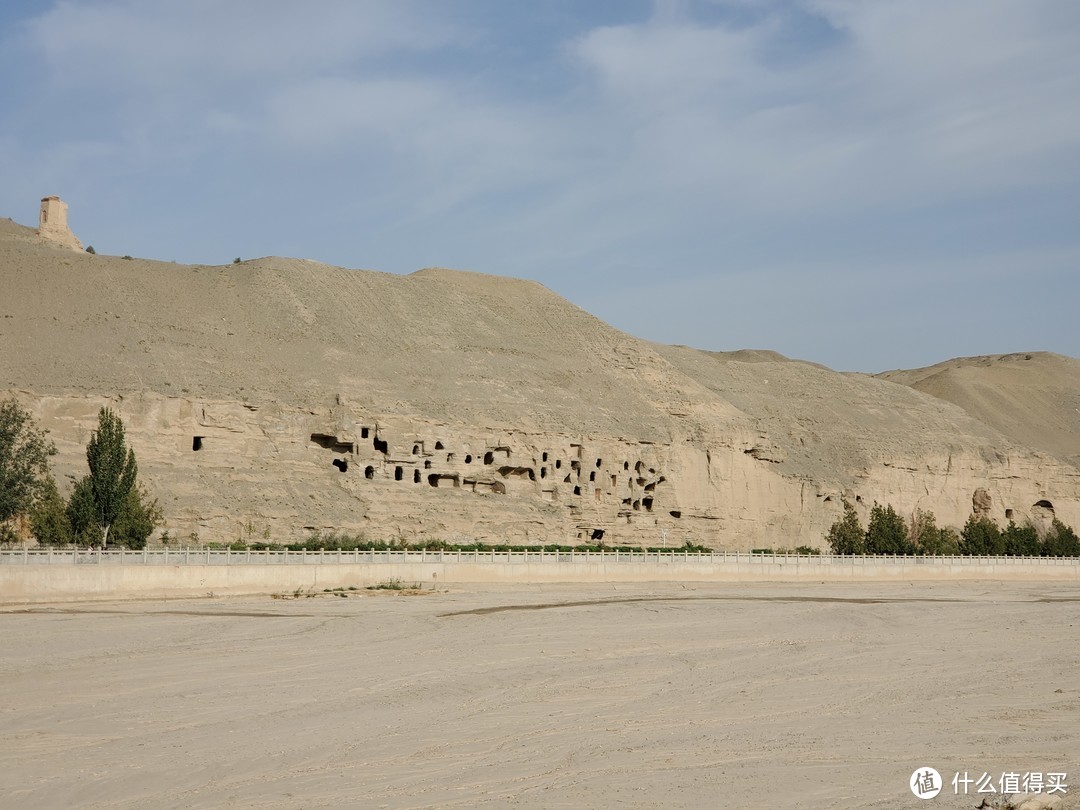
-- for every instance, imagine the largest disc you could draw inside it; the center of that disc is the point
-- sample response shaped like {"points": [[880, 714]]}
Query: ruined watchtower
{"points": [[52, 223]]}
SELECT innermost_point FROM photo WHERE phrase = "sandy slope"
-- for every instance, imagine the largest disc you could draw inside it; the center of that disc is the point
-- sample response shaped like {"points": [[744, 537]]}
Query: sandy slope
{"points": [[747, 696], [1032, 397]]}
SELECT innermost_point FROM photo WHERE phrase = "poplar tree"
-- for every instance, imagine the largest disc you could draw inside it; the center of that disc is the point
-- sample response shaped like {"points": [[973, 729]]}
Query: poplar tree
{"points": [[112, 470]]}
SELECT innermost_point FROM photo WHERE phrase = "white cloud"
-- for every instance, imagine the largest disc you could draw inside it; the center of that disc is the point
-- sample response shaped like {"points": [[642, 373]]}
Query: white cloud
{"points": [[169, 44]]}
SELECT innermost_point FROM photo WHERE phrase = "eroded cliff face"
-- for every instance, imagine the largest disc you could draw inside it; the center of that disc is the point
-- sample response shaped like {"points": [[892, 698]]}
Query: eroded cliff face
{"points": [[228, 470]]}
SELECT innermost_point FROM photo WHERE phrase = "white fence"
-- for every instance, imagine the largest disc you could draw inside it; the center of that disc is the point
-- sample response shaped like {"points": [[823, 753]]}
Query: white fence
{"points": [[207, 556]]}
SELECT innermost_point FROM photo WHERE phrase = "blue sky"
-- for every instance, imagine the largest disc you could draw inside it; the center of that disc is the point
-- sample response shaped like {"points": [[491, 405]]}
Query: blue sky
{"points": [[869, 184]]}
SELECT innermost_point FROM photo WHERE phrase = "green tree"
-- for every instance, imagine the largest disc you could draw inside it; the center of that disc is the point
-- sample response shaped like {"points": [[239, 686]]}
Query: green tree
{"points": [[981, 535], [927, 538], [137, 520], [948, 541], [887, 533], [1060, 541], [1020, 541], [82, 514], [24, 463], [49, 520], [846, 536], [112, 470]]}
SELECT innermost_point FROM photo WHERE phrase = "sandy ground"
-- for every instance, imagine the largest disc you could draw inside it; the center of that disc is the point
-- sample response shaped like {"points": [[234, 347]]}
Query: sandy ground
{"points": [[654, 696]]}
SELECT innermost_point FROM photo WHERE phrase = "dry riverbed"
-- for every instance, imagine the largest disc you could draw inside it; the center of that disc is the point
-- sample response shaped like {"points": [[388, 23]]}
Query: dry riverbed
{"points": [[555, 696]]}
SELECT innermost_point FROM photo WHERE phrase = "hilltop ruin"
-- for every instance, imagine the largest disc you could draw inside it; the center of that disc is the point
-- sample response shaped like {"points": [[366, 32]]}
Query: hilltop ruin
{"points": [[53, 224]]}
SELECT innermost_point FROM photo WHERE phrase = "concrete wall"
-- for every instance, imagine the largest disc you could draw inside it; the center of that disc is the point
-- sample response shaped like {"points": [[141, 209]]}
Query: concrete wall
{"points": [[43, 583]]}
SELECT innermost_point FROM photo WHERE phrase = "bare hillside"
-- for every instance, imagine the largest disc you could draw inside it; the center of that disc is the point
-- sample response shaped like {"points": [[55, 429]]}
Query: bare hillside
{"points": [[447, 344], [1032, 397]]}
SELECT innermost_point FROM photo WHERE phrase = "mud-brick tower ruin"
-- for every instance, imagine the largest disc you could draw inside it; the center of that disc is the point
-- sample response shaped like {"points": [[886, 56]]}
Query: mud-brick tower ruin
{"points": [[52, 223]]}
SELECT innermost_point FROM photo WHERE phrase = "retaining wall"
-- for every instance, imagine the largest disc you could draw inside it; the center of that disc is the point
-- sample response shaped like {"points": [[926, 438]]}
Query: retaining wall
{"points": [[67, 576]]}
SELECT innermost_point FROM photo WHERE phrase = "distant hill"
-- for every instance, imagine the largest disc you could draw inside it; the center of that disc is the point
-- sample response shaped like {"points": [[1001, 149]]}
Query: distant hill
{"points": [[1031, 397]]}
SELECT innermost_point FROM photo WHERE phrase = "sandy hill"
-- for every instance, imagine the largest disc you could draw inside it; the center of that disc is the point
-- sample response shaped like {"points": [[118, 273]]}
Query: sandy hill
{"points": [[1032, 397], [443, 343], [242, 383]]}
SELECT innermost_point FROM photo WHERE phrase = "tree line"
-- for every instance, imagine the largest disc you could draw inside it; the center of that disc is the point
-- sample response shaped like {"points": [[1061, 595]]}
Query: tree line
{"points": [[107, 506], [888, 533]]}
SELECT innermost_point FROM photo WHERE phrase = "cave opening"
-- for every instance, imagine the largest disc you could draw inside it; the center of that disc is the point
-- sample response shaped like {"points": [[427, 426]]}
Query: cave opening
{"points": [[380, 445], [416, 476], [443, 480], [399, 473], [369, 472], [597, 534], [328, 442], [647, 503], [438, 445], [196, 443], [341, 464]]}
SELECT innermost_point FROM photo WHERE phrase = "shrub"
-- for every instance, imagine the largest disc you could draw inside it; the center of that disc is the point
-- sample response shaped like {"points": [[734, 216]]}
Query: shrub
{"points": [[981, 535], [846, 536], [49, 518], [1060, 541], [1020, 541], [887, 533], [927, 538]]}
